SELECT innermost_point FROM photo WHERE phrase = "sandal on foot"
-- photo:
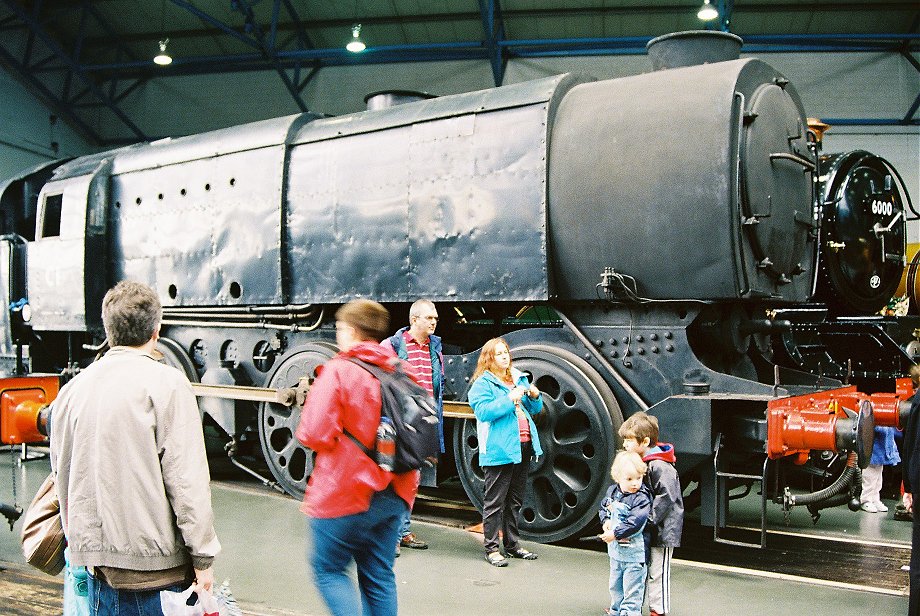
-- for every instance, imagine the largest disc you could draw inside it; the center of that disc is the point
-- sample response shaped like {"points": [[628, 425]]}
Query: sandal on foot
{"points": [[496, 559], [522, 553]]}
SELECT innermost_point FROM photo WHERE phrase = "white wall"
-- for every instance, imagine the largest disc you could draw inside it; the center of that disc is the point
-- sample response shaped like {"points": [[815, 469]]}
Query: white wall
{"points": [[26, 133]]}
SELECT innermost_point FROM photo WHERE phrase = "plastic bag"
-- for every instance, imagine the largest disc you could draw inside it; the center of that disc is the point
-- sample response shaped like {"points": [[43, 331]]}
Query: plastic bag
{"points": [[76, 599], [176, 603], [225, 601], [220, 603]]}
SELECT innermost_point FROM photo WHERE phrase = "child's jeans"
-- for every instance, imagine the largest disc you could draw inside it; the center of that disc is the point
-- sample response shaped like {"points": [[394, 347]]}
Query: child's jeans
{"points": [[627, 588]]}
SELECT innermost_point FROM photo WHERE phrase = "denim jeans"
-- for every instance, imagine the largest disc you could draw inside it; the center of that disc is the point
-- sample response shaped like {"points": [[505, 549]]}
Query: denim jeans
{"points": [[368, 538], [107, 601], [405, 522], [627, 588]]}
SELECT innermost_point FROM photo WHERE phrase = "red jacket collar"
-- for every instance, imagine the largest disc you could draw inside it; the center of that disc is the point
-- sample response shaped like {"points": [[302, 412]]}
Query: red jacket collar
{"points": [[661, 451]]}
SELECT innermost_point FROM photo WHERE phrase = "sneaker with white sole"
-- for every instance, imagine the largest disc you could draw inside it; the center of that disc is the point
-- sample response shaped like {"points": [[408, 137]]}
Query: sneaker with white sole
{"points": [[882, 508], [869, 507]]}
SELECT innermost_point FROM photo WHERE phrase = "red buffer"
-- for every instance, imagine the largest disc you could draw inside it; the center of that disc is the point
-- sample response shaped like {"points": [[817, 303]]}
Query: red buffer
{"points": [[838, 420], [22, 400]]}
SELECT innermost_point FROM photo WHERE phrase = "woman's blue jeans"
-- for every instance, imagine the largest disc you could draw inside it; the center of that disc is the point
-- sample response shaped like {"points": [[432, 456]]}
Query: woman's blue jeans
{"points": [[368, 539], [107, 601]]}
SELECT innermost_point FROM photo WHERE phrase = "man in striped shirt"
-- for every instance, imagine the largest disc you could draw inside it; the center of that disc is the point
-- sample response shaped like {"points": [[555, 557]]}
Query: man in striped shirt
{"points": [[418, 345]]}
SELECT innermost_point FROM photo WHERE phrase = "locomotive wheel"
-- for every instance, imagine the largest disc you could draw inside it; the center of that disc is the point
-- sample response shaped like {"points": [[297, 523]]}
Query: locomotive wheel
{"points": [[577, 430], [174, 355], [290, 462]]}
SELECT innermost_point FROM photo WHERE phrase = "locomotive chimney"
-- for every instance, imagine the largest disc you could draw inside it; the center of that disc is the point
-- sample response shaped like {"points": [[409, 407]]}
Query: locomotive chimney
{"points": [[391, 98], [693, 47]]}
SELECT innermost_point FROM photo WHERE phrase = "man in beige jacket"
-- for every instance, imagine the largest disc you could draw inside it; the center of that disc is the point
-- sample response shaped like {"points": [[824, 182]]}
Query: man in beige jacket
{"points": [[132, 475]]}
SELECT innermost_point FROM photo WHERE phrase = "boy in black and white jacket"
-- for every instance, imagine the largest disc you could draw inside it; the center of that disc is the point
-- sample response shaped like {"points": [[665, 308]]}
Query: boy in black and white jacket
{"points": [[639, 432]]}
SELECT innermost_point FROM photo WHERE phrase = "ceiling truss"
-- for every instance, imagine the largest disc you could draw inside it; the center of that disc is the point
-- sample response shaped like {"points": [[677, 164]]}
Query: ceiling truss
{"points": [[69, 85]]}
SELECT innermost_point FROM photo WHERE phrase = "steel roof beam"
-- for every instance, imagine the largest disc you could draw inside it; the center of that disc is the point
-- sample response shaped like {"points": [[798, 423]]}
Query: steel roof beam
{"points": [[516, 48], [530, 14], [267, 45], [908, 117], [905, 52], [216, 23], [69, 66], [44, 93], [494, 27], [304, 42]]}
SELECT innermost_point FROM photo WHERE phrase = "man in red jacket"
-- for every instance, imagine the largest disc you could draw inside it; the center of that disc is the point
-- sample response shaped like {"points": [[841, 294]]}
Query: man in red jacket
{"points": [[355, 506]]}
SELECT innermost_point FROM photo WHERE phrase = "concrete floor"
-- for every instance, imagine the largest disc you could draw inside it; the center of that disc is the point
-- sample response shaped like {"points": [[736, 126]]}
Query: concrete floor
{"points": [[264, 546]]}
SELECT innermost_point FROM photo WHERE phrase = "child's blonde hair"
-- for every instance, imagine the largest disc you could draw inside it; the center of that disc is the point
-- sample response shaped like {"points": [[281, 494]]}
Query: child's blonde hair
{"points": [[627, 461], [640, 426]]}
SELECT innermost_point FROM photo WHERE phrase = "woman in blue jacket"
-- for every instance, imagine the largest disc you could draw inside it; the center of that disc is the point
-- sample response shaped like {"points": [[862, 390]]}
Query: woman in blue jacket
{"points": [[504, 401]]}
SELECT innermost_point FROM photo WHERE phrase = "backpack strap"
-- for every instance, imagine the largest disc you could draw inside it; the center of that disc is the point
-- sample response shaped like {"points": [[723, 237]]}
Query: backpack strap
{"points": [[354, 439], [370, 368]]}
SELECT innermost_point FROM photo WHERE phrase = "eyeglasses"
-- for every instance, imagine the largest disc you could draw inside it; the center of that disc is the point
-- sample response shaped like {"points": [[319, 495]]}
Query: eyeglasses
{"points": [[433, 319]]}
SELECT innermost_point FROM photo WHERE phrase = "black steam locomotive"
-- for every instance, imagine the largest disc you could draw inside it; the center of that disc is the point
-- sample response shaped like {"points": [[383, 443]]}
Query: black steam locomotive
{"points": [[672, 242]]}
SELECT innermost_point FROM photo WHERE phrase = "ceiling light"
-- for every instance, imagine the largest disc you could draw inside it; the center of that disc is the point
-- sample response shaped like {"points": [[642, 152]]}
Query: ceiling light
{"points": [[707, 12], [163, 58], [355, 45]]}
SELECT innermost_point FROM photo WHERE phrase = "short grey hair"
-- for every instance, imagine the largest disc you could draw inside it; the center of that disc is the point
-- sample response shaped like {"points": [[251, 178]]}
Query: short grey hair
{"points": [[415, 310], [131, 314]]}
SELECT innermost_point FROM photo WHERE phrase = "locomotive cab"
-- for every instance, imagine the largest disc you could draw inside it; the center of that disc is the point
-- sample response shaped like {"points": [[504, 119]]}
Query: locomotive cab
{"points": [[67, 266]]}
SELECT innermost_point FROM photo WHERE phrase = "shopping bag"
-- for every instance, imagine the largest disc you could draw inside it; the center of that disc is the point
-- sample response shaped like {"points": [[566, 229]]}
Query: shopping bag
{"points": [[220, 603], [226, 603], [76, 597], [176, 603]]}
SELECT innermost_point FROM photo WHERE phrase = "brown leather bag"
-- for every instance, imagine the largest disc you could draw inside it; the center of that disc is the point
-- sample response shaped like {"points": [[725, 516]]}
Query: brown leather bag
{"points": [[42, 535]]}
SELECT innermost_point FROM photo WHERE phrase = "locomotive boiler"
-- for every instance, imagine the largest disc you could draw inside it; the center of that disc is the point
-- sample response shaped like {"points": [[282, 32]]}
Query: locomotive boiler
{"points": [[655, 242]]}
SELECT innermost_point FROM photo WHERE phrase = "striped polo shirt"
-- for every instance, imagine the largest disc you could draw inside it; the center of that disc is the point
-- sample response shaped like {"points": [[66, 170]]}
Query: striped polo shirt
{"points": [[420, 360]]}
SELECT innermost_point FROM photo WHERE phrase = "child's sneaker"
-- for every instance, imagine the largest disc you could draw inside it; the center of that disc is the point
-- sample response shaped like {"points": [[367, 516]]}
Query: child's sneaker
{"points": [[869, 507], [882, 507]]}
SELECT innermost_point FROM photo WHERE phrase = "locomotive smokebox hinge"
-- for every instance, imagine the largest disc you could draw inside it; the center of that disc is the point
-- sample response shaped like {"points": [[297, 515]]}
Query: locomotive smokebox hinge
{"points": [[765, 263], [781, 82], [748, 117], [753, 220]]}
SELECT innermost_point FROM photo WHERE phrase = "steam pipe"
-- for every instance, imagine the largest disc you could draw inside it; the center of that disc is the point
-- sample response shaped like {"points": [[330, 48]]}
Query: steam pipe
{"points": [[789, 500]]}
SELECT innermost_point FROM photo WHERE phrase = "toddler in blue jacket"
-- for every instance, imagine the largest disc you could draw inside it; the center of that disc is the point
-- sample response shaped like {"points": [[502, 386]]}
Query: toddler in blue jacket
{"points": [[623, 514]]}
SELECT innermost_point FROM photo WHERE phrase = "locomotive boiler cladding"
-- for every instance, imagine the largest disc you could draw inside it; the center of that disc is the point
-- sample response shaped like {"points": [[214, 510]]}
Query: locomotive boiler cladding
{"points": [[626, 236]]}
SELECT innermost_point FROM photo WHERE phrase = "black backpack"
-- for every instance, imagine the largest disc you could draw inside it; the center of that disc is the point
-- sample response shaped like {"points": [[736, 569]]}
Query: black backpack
{"points": [[414, 416]]}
